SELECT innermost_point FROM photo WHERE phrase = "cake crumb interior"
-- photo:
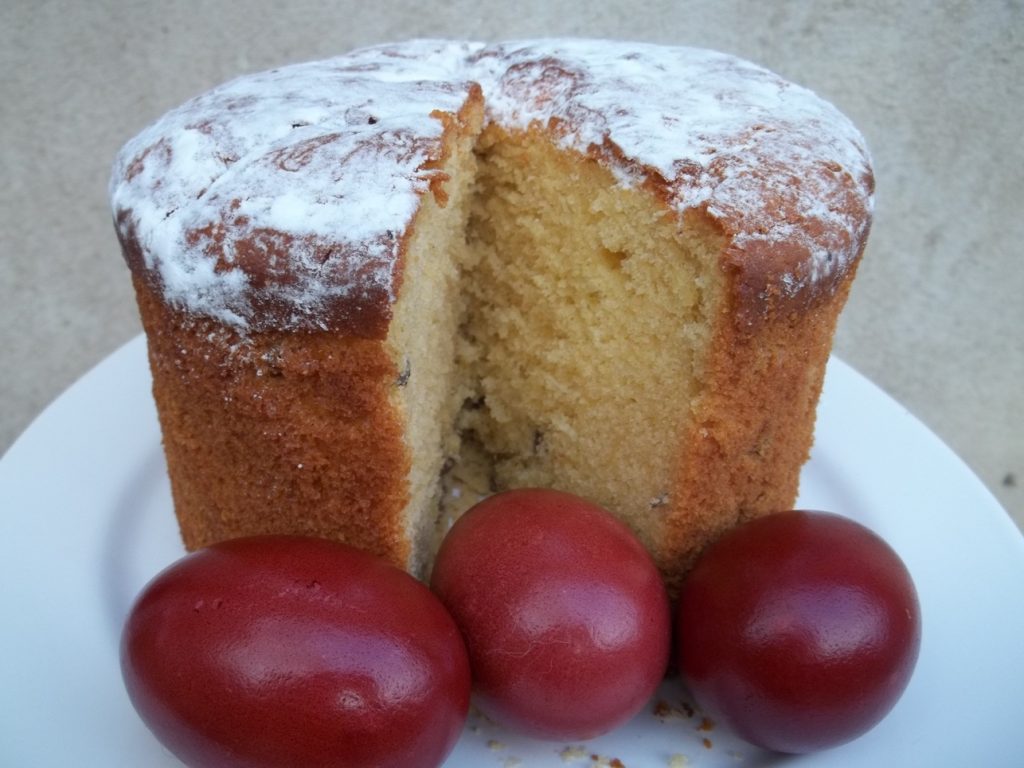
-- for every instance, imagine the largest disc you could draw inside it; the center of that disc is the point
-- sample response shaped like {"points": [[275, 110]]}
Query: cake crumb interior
{"points": [[525, 360]]}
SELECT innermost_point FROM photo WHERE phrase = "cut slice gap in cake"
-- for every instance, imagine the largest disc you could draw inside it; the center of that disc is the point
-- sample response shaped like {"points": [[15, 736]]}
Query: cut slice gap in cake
{"points": [[553, 334]]}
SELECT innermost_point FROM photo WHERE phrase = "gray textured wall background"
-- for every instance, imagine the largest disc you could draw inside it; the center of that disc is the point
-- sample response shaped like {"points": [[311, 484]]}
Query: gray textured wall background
{"points": [[937, 311]]}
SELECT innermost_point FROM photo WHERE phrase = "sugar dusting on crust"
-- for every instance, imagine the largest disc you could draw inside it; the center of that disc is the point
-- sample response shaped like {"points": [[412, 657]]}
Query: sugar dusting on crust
{"points": [[288, 188], [291, 188], [770, 160]]}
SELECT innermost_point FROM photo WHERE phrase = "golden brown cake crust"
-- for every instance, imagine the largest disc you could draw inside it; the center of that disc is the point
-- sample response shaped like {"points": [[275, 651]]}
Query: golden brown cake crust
{"points": [[260, 432], [741, 455]]}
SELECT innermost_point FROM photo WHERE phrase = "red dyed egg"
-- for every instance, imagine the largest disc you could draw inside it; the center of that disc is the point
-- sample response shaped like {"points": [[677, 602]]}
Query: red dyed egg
{"points": [[798, 630], [286, 651], [565, 616]]}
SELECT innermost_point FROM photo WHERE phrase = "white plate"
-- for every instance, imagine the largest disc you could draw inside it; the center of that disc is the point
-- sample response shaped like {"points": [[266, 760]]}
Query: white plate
{"points": [[85, 514]]}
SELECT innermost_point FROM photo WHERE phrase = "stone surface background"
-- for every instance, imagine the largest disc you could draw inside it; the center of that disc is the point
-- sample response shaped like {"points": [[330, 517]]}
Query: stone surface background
{"points": [[937, 312]]}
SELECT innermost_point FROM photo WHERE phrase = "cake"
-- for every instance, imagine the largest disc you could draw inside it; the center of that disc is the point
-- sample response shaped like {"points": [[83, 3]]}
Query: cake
{"points": [[380, 286]]}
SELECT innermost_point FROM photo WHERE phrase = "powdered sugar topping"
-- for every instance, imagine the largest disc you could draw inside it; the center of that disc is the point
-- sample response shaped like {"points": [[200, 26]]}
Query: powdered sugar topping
{"points": [[774, 162], [288, 187], [293, 187]]}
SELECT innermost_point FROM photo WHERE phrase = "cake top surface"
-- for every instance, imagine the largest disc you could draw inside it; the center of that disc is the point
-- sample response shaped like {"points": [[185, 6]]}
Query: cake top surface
{"points": [[279, 199]]}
